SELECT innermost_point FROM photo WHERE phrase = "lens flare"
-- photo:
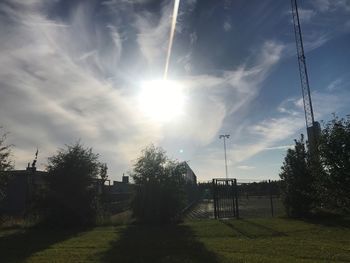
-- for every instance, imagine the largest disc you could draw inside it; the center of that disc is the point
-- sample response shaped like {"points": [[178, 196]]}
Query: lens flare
{"points": [[172, 33]]}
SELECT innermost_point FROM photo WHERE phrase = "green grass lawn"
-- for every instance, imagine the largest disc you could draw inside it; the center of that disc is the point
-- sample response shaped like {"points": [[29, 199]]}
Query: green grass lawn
{"points": [[254, 240]]}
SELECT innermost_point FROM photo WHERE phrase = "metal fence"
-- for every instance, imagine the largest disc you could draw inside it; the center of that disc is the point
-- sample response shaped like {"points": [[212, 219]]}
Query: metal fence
{"points": [[260, 199], [223, 198]]}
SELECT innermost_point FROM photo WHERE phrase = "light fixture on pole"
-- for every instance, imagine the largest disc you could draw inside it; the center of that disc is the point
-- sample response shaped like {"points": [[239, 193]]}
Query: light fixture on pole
{"points": [[224, 136]]}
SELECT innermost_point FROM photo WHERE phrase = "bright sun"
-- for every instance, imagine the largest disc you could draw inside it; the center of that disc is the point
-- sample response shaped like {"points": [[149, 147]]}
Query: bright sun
{"points": [[161, 100]]}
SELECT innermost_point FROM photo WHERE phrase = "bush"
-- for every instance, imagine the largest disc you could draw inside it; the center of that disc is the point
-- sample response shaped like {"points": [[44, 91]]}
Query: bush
{"points": [[335, 159], [5, 165], [160, 187], [72, 197], [297, 181]]}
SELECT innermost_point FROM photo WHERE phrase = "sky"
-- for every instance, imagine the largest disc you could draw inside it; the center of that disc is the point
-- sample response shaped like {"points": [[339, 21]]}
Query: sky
{"points": [[74, 70]]}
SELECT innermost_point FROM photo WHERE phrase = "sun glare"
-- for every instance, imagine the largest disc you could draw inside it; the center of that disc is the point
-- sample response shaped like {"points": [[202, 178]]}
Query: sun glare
{"points": [[161, 100]]}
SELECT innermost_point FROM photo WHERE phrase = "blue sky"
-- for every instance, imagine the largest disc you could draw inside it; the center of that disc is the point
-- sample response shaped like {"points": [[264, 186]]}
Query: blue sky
{"points": [[73, 70]]}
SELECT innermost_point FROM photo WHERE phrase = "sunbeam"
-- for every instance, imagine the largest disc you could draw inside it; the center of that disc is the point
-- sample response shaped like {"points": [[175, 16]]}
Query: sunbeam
{"points": [[172, 32]]}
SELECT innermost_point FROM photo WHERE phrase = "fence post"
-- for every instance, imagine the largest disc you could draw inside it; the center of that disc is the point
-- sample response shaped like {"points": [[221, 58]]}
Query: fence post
{"points": [[233, 198], [271, 202], [236, 197], [214, 199]]}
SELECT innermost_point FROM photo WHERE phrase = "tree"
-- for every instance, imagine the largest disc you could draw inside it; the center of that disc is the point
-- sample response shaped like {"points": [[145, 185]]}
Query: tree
{"points": [[160, 194], [72, 193], [297, 181], [5, 164], [103, 173], [335, 158]]}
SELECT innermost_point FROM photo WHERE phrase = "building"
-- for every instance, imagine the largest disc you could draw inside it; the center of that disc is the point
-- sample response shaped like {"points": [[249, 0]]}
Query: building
{"points": [[190, 176], [119, 195], [21, 187], [117, 187]]}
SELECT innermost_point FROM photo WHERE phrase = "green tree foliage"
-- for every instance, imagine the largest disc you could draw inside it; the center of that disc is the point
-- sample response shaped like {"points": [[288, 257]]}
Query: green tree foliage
{"points": [[335, 158], [297, 181], [160, 194], [72, 192], [5, 164]]}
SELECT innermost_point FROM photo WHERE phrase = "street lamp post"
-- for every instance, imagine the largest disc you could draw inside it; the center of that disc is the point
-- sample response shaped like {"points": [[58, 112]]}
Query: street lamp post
{"points": [[224, 136]]}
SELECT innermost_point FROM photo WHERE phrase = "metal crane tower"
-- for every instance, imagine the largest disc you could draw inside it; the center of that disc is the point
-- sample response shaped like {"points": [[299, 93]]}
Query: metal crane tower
{"points": [[312, 127]]}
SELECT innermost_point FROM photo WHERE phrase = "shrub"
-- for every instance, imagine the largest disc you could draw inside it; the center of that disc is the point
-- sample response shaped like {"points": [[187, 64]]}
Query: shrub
{"points": [[297, 181], [72, 197], [335, 159], [5, 164], [160, 194]]}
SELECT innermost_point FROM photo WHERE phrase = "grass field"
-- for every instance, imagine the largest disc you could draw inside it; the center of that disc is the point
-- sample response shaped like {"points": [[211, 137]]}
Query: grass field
{"points": [[253, 240]]}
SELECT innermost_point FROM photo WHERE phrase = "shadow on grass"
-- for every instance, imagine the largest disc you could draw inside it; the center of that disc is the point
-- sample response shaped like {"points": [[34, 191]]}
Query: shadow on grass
{"points": [[24, 242], [329, 220], [252, 230], [237, 229], [169, 243], [270, 231]]}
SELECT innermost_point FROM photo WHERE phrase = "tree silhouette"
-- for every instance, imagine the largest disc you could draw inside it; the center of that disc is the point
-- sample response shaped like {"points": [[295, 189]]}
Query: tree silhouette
{"points": [[297, 180], [335, 159], [5, 164], [160, 193], [72, 195]]}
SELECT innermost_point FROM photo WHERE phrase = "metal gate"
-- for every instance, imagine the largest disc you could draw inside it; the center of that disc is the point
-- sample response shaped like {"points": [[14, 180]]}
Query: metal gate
{"points": [[225, 195]]}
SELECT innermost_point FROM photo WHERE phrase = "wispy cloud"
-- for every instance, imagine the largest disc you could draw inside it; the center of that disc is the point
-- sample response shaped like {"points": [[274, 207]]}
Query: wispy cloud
{"points": [[335, 84], [331, 5], [221, 96], [321, 21], [227, 26], [54, 89], [153, 35], [60, 77], [272, 131], [281, 147], [213, 104], [305, 15], [245, 167], [73, 77]]}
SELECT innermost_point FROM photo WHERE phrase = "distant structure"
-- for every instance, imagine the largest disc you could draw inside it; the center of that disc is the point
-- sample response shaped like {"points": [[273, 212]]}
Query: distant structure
{"points": [[21, 189], [225, 136], [119, 195], [190, 176], [120, 187], [312, 126], [125, 179]]}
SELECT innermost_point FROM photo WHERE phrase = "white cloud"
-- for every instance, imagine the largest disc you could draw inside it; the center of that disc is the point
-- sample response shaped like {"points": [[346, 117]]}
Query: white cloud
{"points": [[315, 39], [335, 84], [245, 167], [193, 38], [55, 87], [272, 131], [227, 26], [218, 97], [267, 133], [51, 97], [280, 147], [153, 35], [331, 5], [305, 15], [322, 5], [212, 104]]}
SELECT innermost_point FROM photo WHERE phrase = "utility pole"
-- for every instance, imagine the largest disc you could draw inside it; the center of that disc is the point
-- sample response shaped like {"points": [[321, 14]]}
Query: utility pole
{"points": [[312, 126], [224, 136]]}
